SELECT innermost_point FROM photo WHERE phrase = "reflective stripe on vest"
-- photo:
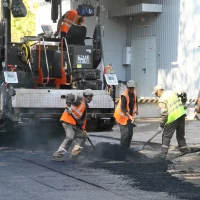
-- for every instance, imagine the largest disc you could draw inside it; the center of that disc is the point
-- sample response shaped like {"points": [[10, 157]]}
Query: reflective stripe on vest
{"points": [[175, 108], [68, 22], [119, 115], [77, 113]]}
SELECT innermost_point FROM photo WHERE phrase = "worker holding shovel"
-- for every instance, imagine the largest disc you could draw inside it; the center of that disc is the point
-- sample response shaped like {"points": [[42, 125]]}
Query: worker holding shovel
{"points": [[125, 113], [173, 119], [74, 121]]}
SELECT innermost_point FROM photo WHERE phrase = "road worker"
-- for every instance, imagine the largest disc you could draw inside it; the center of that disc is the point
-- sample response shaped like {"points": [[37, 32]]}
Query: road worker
{"points": [[125, 113], [173, 118], [65, 22], [197, 107], [74, 121]]}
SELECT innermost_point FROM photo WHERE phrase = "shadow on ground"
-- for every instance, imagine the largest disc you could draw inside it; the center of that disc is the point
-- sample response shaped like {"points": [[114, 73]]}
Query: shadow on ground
{"points": [[44, 136]]}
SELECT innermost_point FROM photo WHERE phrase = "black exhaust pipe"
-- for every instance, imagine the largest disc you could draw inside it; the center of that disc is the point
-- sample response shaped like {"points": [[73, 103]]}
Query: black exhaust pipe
{"points": [[54, 10]]}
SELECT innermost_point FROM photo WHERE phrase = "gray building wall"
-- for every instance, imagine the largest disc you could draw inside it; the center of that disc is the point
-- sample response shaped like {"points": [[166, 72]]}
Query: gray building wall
{"points": [[189, 51], [164, 27], [177, 39], [120, 31]]}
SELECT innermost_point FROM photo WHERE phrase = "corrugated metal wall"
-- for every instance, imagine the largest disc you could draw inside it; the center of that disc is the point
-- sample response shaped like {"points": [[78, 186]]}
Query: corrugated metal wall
{"points": [[177, 32], [120, 31], [177, 38], [189, 42], [115, 34], [1, 10], [164, 26]]}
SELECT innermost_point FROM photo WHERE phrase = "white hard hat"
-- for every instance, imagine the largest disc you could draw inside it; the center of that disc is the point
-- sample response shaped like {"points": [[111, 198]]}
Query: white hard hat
{"points": [[131, 83], [88, 92], [156, 88]]}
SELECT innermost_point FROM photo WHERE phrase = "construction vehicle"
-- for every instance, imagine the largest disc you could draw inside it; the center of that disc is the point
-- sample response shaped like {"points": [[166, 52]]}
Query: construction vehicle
{"points": [[35, 74]]}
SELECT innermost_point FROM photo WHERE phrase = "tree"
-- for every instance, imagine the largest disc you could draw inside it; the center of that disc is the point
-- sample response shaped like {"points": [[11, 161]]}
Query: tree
{"points": [[25, 26]]}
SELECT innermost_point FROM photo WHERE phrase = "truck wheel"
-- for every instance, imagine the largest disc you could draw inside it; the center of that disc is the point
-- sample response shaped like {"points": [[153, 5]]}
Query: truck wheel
{"points": [[105, 124], [100, 124]]}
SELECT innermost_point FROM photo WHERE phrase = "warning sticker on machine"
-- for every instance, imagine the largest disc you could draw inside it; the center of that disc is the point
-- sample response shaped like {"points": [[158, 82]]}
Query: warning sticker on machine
{"points": [[79, 66], [11, 77], [111, 79]]}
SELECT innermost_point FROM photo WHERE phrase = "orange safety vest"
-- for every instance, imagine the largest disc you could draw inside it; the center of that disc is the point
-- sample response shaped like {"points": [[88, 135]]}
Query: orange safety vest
{"points": [[77, 113], [119, 115], [71, 17]]}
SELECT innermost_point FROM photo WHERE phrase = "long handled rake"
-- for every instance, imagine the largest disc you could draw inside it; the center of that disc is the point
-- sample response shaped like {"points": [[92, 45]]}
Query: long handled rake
{"points": [[148, 141]]}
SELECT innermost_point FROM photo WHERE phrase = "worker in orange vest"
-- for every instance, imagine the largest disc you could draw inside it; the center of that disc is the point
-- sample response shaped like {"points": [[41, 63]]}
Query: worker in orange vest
{"points": [[74, 121], [65, 22], [125, 113], [197, 107]]}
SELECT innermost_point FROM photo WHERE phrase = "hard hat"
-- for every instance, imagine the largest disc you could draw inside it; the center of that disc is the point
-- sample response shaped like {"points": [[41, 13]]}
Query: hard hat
{"points": [[156, 88], [88, 92], [131, 83]]}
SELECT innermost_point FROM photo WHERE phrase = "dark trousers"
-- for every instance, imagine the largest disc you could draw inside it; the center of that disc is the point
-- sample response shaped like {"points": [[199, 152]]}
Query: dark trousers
{"points": [[178, 126], [63, 34], [126, 134]]}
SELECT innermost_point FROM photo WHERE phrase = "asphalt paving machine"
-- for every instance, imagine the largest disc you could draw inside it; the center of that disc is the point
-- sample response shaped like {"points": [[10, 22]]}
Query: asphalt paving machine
{"points": [[36, 72]]}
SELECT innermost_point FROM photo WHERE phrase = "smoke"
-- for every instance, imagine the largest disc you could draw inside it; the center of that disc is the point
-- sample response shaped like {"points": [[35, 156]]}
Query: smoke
{"points": [[40, 136], [107, 151]]}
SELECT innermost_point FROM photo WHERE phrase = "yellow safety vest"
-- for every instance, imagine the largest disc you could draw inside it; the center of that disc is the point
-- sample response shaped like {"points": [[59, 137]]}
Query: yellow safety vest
{"points": [[174, 106]]}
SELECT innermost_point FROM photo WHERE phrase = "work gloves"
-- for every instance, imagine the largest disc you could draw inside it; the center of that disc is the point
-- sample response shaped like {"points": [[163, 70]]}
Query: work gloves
{"points": [[160, 129], [69, 111], [86, 133]]}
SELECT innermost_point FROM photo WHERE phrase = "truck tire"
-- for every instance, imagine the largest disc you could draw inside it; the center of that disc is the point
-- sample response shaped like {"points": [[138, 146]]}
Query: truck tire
{"points": [[100, 124]]}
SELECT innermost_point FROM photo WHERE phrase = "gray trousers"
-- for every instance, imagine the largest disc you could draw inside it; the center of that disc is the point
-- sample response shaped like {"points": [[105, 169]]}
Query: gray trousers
{"points": [[126, 134], [178, 126], [73, 133]]}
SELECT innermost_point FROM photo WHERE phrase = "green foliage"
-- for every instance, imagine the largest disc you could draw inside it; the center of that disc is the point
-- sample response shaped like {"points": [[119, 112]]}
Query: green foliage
{"points": [[25, 26]]}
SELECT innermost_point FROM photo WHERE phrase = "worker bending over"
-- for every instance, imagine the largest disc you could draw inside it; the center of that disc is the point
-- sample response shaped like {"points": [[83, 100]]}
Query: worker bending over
{"points": [[125, 112], [173, 118], [74, 121], [65, 22]]}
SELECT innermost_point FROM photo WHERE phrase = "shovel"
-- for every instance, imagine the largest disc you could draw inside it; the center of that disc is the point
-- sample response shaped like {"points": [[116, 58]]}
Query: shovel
{"points": [[87, 135], [148, 141], [158, 132], [189, 104], [133, 123]]}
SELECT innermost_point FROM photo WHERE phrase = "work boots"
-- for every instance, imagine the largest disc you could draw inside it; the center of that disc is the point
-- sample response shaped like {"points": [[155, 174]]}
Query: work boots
{"points": [[184, 150], [59, 155], [76, 150], [196, 117], [75, 155]]}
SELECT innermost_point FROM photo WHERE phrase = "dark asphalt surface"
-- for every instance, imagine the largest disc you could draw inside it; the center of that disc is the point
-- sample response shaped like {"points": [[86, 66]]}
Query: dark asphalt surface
{"points": [[109, 172]]}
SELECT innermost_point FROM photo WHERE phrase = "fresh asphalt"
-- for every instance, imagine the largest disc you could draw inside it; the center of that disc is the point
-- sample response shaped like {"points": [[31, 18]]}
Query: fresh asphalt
{"points": [[108, 172]]}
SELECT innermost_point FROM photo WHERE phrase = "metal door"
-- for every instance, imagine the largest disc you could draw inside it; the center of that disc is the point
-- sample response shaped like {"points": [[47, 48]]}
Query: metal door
{"points": [[143, 66]]}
